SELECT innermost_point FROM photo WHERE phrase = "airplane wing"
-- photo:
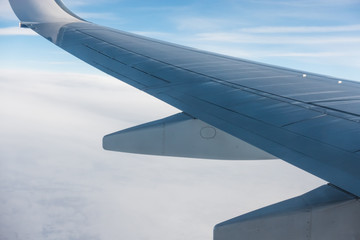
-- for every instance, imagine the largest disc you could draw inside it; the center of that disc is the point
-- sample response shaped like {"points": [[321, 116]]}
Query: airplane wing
{"points": [[306, 119]]}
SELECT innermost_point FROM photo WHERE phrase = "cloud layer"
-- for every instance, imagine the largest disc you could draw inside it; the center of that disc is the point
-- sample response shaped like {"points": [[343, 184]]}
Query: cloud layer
{"points": [[10, 31], [56, 182]]}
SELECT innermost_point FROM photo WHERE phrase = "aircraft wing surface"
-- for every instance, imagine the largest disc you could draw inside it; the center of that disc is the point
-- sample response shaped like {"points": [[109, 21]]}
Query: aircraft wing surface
{"points": [[308, 120]]}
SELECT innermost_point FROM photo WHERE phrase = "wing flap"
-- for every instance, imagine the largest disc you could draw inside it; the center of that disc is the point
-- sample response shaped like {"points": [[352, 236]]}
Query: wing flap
{"points": [[182, 136]]}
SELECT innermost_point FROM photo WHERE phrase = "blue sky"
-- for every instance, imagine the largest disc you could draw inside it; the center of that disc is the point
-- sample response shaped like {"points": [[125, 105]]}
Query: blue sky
{"points": [[56, 182], [316, 36]]}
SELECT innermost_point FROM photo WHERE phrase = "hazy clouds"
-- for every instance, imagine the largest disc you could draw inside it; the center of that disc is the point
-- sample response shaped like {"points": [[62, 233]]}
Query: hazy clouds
{"points": [[56, 182]]}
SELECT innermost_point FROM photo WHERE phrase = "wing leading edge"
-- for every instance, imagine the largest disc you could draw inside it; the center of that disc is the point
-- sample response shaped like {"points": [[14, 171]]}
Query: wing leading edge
{"points": [[306, 119]]}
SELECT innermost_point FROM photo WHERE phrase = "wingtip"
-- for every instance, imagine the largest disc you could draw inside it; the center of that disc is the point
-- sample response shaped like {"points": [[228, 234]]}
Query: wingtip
{"points": [[42, 11]]}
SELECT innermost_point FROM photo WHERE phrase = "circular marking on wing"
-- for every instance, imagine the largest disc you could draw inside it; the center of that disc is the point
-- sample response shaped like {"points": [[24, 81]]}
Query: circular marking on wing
{"points": [[208, 132]]}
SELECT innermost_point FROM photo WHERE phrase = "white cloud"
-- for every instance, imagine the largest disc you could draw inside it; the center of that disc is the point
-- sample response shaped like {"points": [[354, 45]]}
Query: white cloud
{"points": [[76, 3], [309, 54], [162, 35], [10, 31], [264, 54], [199, 23], [57, 183], [310, 4], [97, 15], [302, 29], [235, 37]]}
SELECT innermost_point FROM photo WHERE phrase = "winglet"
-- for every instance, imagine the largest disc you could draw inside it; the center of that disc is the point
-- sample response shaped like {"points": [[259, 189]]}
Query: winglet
{"points": [[41, 11]]}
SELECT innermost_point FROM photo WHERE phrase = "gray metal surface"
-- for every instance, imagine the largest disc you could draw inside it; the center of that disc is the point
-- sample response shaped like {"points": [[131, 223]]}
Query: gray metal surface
{"points": [[325, 213], [308, 120], [182, 136]]}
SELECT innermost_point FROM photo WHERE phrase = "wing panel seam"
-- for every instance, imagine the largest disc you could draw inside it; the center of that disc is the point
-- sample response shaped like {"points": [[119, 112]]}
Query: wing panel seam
{"points": [[214, 79]]}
